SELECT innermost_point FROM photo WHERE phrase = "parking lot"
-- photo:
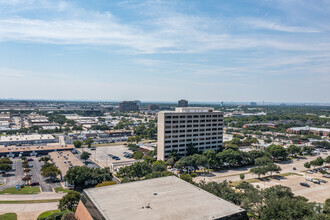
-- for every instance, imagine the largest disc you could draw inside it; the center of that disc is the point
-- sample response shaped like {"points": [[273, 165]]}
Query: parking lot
{"points": [[314, 193], [14, 177], [101, 155]]}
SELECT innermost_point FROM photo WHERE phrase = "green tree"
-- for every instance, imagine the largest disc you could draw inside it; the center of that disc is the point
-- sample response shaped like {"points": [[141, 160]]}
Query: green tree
{"points": [[276, 152], [293, 150], [5, 160], [186, 177], [131, 139], [44, 159], [327, 160], [27, 170], [85, 155], [307, 165], [50, 171], [317, 162], [170, 161], [77, 143], [138, 138], [82, 176], [222, 190], [191, 149], [70, 201], [89, 142], [159, 166], [136, 170], [259, 171], [149, 159], [326, 207], [5, 167], [211, 158], [137, 155], [242, 176], [271, 167]]}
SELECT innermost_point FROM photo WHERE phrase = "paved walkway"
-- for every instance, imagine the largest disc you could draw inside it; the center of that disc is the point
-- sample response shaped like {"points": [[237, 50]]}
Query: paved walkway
{"points": [[40, 196], [28, 211]]}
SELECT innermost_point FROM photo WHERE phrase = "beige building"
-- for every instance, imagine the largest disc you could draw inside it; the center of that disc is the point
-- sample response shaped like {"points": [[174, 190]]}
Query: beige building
{"points": [[202, 127], [155, 199]]}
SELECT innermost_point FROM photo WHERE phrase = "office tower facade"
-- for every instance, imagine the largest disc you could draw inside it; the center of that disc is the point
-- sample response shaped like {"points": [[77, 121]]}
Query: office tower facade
{"points": [[182, 103], [185, 127], [127, 106]]}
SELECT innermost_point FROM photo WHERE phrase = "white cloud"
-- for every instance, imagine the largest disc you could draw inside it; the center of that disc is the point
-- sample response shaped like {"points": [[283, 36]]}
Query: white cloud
{"points": [[275, 26]]}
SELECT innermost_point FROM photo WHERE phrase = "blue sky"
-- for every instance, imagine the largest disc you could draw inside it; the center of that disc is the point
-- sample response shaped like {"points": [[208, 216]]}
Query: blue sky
{"points": [[210, 50]]}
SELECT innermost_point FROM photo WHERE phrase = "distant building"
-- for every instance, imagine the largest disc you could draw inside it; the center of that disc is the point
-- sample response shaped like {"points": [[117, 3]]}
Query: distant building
{"points": [[153, 107], [271, 125], [155, 199], [307, 129], [253, 104], [138, 102], [182, 103], [178, 129], [127, 106]]}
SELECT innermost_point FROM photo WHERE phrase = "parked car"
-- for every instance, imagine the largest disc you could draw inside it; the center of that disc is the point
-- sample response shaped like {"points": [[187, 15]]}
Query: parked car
{"points": [[316, 181], [30, 165], [93, 148], [310, 172], [323, 181], [29, 159], [309, 179], [294, 168], [304, 184], [34, 184]]}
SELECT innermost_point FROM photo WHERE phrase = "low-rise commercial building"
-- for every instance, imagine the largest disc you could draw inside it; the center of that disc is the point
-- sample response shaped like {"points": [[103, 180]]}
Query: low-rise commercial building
{"points": [[271, 125], [307, 129], [33, 150], [27, 139], [155, 199]]}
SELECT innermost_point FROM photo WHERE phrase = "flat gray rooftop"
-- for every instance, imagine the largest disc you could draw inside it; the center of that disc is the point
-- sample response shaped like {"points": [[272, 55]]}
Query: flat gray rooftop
{"points": [[175, 199]]}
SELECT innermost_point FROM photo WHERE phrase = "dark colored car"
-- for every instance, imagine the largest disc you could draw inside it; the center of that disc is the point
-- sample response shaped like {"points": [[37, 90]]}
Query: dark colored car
{"points": [[34, 184], [29, 159], [304, 184]]}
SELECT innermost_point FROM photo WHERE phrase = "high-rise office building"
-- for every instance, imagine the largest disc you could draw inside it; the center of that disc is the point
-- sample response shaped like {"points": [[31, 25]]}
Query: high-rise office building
{"points": [[182, 103], [186, 127], [127, 106]]}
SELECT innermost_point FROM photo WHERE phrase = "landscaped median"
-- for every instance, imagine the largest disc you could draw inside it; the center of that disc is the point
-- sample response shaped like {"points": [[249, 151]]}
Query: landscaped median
{"points": [[29, 201], [255, 180], [48, 213], [25, 190], [8, 216], [61, 190]]}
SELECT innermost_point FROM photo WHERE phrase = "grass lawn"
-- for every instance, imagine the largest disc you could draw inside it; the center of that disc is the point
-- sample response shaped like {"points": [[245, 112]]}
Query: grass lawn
{"points": [[252, 180], [61, 189], [8, 216], [29, 201], [289, 174], [48, 213], [25, 190]]}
